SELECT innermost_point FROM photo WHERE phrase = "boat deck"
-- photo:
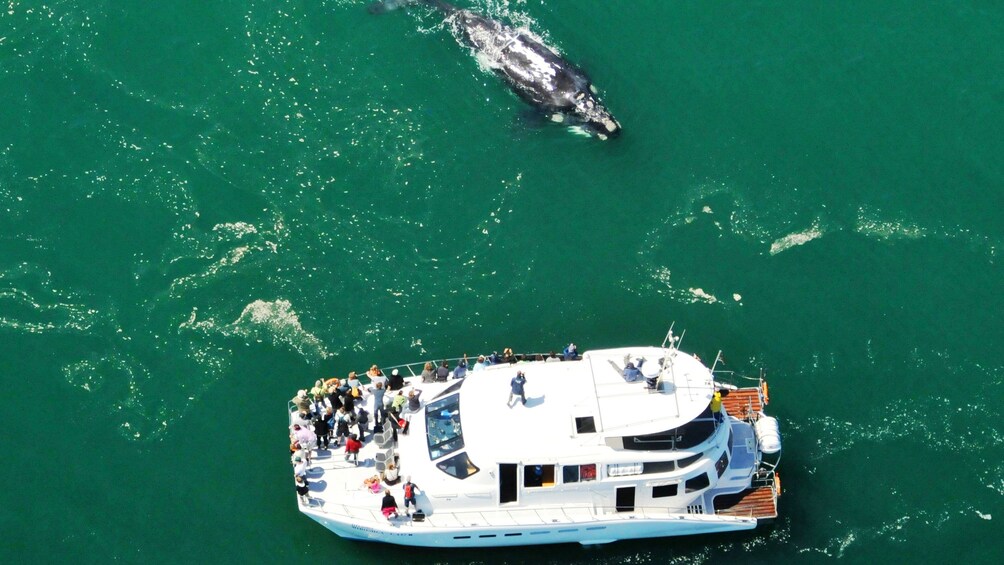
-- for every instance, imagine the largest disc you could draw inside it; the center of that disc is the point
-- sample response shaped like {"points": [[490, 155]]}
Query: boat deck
{"points": [[757, 502], [741, 403]]}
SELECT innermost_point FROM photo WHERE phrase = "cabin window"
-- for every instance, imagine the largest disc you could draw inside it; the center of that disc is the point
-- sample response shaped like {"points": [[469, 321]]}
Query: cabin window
{"points": [[570, 473], [722, 463], [624, 469], [459, 466], [688, 461], [697, 483], [538, 476], [688, 435], [577, 473], [585, 425], [663, 491], [658, 467]]}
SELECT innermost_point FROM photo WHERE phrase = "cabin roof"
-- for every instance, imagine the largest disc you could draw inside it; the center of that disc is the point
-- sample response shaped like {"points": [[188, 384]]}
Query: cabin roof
{"points": [[544, 430]]}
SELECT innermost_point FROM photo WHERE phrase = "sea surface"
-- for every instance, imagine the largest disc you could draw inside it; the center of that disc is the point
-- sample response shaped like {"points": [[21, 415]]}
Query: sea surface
{"points": [[205, 206]]}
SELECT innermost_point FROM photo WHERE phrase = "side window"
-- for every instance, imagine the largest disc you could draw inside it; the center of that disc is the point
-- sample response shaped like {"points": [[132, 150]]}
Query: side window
{"points": [[722, 463], [697, 483], [570, 473], [688, 461], [578, 473], [459, 466], [538, 476], [662, 491], [658, 467]]}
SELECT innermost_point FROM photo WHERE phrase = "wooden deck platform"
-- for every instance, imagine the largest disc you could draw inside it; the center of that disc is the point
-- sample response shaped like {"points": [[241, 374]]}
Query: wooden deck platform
{"points": [[756, 502], [738, 402]]}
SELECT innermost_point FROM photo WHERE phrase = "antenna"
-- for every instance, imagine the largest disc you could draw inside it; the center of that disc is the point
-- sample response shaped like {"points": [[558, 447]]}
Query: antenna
{"points": [[669, 336], [679, 340], [715, 364]]}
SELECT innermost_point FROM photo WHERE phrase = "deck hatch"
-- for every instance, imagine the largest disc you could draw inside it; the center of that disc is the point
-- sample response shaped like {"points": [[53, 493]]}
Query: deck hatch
{"points": [[442, 424]]}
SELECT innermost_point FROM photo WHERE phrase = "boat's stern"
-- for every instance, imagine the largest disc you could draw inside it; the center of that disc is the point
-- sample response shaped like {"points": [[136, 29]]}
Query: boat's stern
{"points": [[759, 437]]}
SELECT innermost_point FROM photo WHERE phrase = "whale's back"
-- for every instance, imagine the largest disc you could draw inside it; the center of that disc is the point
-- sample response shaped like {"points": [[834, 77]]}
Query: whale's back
{"points": [[534, 70]]}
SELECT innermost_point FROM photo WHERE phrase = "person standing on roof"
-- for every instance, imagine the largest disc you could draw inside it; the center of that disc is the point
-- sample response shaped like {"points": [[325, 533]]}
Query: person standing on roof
{"points": [[517, 383], [716, 406]]}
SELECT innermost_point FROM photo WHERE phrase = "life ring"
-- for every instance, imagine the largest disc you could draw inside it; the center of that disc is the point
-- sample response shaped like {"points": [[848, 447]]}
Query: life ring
{"points": [[764, 392]]}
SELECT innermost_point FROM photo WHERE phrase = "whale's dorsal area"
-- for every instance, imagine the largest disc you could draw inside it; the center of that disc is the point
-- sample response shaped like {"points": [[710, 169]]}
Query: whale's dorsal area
{"points": [[535, 72]]}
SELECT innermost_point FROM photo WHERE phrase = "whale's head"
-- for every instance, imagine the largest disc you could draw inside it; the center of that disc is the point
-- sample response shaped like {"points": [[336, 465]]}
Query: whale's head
{"points": [[594, 117]]}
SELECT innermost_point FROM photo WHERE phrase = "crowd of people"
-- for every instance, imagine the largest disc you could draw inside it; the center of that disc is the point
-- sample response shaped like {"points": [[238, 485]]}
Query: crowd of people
{"points": [[332, 415]]}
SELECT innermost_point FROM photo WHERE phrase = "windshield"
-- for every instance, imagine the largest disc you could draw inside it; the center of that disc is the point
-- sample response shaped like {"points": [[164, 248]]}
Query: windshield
{"points": [[442, 422]]}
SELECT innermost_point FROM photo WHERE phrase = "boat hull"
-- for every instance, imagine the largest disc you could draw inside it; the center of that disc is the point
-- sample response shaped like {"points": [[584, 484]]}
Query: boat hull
{"points": [[594, 532]]}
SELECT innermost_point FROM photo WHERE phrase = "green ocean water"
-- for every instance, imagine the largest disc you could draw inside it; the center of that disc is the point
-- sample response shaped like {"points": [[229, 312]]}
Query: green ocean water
{"points": [[206, 206]]}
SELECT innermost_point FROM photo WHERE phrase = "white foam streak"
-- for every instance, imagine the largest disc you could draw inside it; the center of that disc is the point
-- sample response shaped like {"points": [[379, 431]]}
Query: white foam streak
{"points": [[795, 239]]}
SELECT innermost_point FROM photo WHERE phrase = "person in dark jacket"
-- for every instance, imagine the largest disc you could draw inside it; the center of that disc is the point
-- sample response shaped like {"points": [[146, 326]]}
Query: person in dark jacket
{"points": [[518, 382], [443, 372], [322, 429], [388, 505], [363, 420], [395, 381]]}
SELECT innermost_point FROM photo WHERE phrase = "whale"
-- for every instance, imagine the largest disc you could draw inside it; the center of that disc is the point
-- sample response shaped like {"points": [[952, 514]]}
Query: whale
{"points": [[535, 72]]}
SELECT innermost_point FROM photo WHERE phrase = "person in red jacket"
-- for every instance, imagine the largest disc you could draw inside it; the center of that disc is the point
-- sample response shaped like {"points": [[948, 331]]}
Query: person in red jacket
{"points": [[352, 447]]}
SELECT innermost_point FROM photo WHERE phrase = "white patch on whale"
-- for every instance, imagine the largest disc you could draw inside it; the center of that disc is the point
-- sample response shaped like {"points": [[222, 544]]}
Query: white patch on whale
{"points": [[559, 118]]}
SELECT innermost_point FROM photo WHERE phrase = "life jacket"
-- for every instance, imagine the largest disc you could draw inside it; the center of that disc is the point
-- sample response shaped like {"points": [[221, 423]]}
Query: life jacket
{"points": [[408, 490]]}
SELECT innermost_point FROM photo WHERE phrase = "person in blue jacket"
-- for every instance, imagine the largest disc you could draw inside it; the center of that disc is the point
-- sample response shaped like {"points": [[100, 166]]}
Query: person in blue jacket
{"points": [[518, 382]]}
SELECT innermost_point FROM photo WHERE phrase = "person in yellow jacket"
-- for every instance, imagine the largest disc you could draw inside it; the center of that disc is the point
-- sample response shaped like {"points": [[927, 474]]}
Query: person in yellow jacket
{"points": [[716, 406]]}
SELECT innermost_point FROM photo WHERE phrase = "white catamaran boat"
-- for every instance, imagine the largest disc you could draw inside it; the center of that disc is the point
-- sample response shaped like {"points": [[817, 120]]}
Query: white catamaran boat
{"points": [[592, 457]]}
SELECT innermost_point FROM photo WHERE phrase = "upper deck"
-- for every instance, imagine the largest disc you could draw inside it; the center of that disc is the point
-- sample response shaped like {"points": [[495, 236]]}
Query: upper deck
{"points": [[559, 393]]}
